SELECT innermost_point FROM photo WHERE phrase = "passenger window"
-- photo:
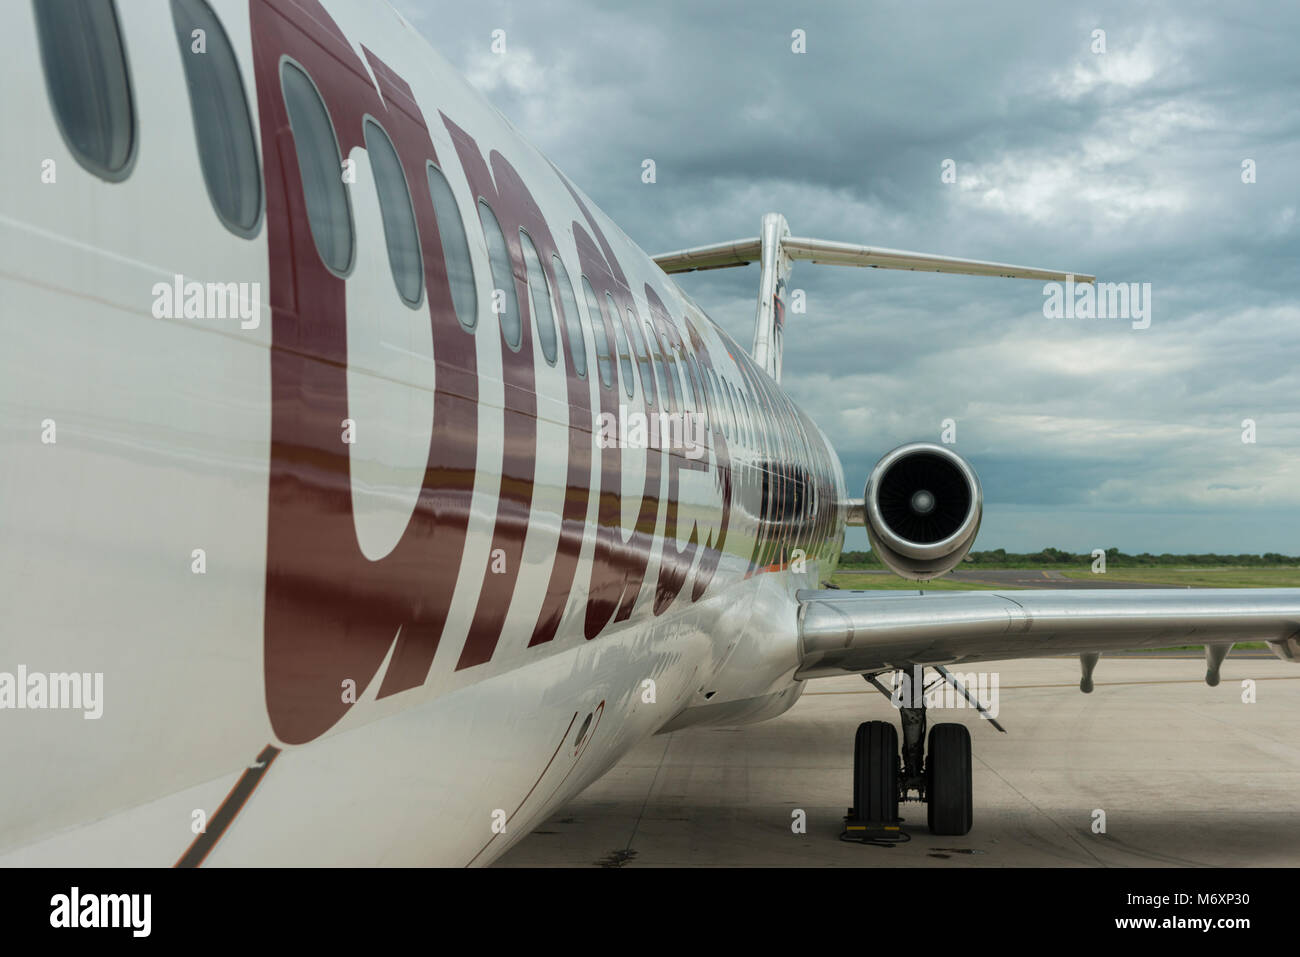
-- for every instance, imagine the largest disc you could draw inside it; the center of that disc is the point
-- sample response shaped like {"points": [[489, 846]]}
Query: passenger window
{"points": [[319, 165], [688, 386], [624, 356], [503, 276], [742, 431], [90, 89], [697, 385], [222, 124], [399, 217], [642, 358], [677, 378], [539, 295], [661, 368], [569, 303], [769, 417], [455, 249], [741, 418], [604, 362], [720, 399]]}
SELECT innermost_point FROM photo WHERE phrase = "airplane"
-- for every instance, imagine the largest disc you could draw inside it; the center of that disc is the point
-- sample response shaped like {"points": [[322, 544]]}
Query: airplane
{"points": [[368, 493]]}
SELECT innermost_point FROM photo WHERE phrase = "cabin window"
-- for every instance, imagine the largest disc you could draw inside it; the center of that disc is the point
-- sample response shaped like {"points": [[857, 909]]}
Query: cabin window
{"points": [[656, 367], [698, 386], [765, 416], [678, 391], [222, 124], [661, 367], [624, 356], [539, 295], [395, 209], [582, 731], [710, 386], [719, 401], [504, 301], [319, 165], [719, 410], [642, 358], [572, 321], [688, 385], [89, 86], [733, 417], [604, 361], [455, 248], [747, 423], [742, 417], [736, 402]]}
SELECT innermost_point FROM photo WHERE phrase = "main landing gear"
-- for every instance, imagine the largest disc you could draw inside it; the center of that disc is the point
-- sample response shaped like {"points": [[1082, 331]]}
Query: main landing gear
{"points": [[884, 775]]}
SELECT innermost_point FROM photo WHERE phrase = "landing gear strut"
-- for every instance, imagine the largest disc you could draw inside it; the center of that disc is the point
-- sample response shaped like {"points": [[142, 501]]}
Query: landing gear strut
{"points": [[885, 775]]}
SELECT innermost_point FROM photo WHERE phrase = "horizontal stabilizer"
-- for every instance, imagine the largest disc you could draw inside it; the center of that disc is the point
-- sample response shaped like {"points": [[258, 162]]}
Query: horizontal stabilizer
{"points": [[878, 257], [742, 252], [777, 251]]}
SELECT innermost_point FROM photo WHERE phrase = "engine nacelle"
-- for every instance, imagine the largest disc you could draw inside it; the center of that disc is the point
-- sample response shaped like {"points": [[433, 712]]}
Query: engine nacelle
{"points": [[922, 509]]}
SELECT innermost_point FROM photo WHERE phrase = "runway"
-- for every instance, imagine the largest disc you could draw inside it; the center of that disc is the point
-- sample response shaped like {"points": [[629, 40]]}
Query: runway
{"points": [[1186, 775]]}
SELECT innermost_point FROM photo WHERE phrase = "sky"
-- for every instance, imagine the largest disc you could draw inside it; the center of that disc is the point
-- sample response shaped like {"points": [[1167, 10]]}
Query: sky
{"points": [[1124, 155]]}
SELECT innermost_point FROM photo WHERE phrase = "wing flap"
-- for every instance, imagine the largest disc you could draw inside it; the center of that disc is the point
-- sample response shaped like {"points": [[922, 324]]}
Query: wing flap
{"points": [[842, 632]]}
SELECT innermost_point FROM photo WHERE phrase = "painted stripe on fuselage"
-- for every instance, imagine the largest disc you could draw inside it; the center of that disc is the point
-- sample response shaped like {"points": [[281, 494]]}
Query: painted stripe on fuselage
{"points": [[331, 612]]}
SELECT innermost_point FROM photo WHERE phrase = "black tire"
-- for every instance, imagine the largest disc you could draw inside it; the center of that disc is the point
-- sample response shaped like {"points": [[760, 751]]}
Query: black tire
{"points": [[948, 780], [875, 773]]}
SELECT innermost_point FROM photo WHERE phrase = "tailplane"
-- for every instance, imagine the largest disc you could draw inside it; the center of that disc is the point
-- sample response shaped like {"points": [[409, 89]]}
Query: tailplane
{"points": [[777, 251]]}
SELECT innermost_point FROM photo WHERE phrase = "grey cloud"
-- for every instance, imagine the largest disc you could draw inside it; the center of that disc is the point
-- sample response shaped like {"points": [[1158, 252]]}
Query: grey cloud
{"points": [[1126, 165]]}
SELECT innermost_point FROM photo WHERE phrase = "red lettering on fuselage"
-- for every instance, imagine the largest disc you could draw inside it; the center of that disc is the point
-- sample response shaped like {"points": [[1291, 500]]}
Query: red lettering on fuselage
{"points": [[332, 615]]}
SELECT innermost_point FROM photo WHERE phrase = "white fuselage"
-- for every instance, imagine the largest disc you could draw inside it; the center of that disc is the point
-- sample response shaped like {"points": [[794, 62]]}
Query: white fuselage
{"points": [[163, 524]]}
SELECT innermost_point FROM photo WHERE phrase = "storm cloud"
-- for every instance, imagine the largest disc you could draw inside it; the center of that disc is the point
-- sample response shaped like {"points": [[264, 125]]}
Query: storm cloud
{"points": [[1127, 164]]}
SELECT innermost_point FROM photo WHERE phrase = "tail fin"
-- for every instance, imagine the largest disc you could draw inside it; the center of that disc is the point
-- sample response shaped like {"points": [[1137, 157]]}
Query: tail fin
{"points": [[777, 250]]}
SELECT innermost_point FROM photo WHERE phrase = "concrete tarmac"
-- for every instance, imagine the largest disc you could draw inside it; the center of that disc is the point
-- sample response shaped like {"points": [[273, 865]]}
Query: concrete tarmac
{"points": [[1186, 775]]}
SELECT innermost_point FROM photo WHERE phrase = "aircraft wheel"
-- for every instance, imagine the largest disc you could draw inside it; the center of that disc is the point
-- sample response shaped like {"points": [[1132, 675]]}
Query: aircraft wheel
{"points": [[948, 780], [875, 772]]}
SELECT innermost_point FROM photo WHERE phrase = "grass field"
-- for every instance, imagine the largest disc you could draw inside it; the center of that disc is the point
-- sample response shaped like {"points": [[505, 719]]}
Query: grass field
{"points": [[894, 583], [1223, 577], [1286, 576], [1226, 577]]}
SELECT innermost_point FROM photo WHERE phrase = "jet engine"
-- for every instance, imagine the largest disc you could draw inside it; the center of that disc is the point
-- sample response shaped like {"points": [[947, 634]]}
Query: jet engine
{"points": [[922, 509]]}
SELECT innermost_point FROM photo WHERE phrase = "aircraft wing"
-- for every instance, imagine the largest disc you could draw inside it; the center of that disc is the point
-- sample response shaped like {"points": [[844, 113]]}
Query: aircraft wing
{"points": [[847, 632]]}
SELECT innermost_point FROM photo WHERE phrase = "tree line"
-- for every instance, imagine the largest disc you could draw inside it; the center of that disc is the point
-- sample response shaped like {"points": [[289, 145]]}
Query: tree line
{"points": [[1114, 558]]}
